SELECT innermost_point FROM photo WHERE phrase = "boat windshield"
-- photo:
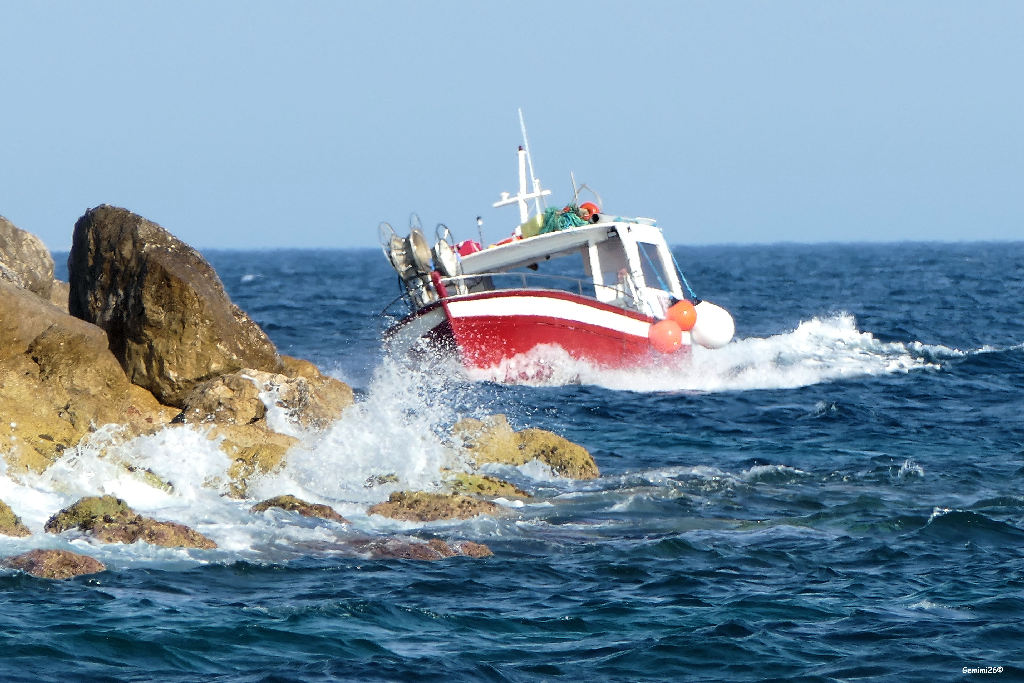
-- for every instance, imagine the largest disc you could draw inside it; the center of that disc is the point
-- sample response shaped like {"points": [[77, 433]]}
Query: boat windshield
{"points": [[650, 262]]}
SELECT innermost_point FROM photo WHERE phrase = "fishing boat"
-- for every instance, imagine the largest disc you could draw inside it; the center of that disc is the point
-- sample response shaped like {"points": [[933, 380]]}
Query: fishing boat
{"points": [[603, 288]]}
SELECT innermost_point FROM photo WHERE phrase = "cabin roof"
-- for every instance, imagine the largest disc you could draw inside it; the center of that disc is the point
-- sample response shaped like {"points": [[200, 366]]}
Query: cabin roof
{"points": [[532, 249]]}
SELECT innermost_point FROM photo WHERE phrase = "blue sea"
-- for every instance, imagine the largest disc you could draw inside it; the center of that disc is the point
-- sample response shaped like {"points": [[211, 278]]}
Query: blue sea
{"points": [[836, 495]]}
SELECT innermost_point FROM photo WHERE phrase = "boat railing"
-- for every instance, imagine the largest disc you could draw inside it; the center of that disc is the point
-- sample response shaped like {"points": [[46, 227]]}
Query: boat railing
{"points": [[418, 293]]}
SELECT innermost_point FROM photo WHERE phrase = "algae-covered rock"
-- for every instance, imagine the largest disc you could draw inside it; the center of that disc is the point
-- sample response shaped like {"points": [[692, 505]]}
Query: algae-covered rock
{"points": [[418, 506], [293, 504], [87, 513], [170, 322], [564, 457], [10, 523], [109, 519], [493, 440], [54, 564], [484, 485], [489, 440]]}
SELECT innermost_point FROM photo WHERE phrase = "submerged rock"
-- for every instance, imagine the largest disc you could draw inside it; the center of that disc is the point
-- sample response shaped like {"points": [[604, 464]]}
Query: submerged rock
{"points": [[418, 506], [10, 523], [59, 381], [494, 441], [170, 323], [54, 564], [434, 549], [293, 504], [109, 519]]}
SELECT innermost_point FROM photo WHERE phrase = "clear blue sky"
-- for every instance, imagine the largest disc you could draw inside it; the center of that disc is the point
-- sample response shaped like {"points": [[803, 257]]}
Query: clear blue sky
{"points": [[303, 124]]}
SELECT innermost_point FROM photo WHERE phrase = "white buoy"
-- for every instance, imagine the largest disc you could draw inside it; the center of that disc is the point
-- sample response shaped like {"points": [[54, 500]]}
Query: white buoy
{"points": [[714, 327]]}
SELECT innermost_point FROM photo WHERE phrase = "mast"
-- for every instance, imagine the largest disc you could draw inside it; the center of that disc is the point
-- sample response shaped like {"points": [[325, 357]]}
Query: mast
{"points": [[529, 162], [522, 198]]}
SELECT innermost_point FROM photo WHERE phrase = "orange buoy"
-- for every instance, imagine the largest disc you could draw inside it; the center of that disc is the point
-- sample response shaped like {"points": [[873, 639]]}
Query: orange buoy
{"points": [[591, 207], [684, 313], [665, 336]]}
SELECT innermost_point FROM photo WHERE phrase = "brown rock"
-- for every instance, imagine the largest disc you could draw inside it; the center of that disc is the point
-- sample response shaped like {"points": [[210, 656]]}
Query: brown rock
{"points": [[493, 441], [417, 506], [54, 564], [232, 399], [110, 520], [488, 440], [235, 399], [58, 381], [254, 450], [24, 260], [565, 458], [170, 322], [312, 399], [293, 504], [59, 294], [471, 549], [434, 549], [298, 367], [10, 523]]}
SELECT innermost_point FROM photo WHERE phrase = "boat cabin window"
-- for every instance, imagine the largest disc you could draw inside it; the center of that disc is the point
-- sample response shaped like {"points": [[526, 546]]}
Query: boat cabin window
{"points": [[654, 272], [611, 261]]}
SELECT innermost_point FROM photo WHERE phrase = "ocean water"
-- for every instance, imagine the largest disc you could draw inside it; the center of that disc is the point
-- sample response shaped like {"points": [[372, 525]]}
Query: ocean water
{"points": [[836, 495]]}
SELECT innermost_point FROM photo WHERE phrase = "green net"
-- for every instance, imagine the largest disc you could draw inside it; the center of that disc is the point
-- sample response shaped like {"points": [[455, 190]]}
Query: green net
{"points": [[558, 219]]}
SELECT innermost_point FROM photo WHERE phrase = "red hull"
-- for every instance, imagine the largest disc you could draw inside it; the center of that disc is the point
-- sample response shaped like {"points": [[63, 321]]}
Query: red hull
{"points": [[492, 327]]}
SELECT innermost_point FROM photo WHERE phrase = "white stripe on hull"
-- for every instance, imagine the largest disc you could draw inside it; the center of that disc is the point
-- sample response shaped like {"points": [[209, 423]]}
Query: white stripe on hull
{"points": [[550, 307]]}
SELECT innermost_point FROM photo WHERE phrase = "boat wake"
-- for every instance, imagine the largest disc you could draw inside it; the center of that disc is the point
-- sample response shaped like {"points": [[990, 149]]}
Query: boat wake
{"points": [[818, 350]]}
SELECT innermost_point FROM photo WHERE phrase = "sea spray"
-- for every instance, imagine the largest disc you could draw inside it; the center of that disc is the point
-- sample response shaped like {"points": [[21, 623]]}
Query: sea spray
{"points": [[395, 438]]}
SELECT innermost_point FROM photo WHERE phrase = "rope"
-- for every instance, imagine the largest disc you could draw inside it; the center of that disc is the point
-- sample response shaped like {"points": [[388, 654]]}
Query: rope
{"points": [[657, 273], [693, 297]]}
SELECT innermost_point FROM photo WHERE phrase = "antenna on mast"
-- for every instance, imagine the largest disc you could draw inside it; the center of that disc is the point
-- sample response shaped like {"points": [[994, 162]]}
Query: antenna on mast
{"points": [[524, 195], [529, 161]]}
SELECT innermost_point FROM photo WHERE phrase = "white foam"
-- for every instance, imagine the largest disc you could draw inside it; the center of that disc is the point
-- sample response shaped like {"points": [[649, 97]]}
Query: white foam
{"points": [[818, 350], [395, 436]]}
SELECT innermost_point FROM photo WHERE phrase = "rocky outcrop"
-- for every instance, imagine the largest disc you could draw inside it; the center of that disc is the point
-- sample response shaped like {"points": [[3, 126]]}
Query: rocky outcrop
{"points": [[110, 520], [293, 504], [418, 506], [493, 441], [311, 401], [54, 564], [24, 260], [434, 549], [170, 323], [10, 523], [483, 485], [58, 380]]}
